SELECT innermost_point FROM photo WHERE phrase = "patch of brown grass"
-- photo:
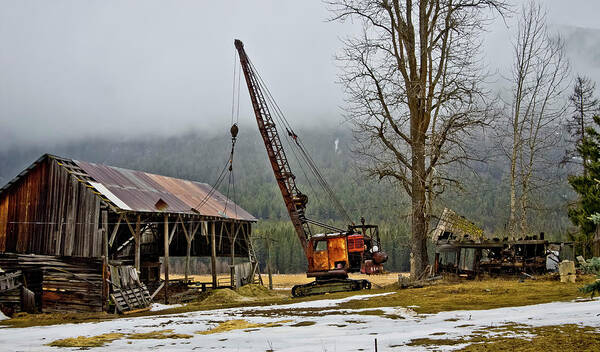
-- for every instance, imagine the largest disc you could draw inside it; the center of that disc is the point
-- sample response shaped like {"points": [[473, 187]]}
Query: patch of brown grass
{"points": [[161, 334], [86, 341], [241, 324], [222, 296], [257, 292], [555, 338], [24, 320]]}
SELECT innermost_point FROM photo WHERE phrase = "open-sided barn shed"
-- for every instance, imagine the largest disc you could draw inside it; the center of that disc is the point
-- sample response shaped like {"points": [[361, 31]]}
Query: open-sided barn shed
{"points": [[66, 223]]}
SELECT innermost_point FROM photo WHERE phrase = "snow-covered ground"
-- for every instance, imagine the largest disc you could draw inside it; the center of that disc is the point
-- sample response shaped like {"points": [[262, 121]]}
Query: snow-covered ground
{"points": [[334, 329]]}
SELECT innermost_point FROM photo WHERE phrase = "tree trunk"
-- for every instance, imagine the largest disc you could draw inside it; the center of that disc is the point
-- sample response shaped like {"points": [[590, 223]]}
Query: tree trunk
{"points": [[512, 219], [524, 201], [419, 259]]}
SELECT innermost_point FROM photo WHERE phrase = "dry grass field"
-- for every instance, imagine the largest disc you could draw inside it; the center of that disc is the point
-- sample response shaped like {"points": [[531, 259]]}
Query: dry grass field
{"points": [[286, 281]]}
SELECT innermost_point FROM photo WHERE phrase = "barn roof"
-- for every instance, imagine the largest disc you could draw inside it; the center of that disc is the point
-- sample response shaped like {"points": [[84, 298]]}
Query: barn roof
{"points": [[138, 191]]}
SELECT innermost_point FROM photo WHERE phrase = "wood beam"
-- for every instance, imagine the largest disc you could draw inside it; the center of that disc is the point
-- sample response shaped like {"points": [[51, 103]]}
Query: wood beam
{"points": [[115, 230], [166, 258], [138, 242], [221, 234], [129, 225], [232, 238], [104, 259], [204, 231], [213, 255], [188, 249], [172, 235]]}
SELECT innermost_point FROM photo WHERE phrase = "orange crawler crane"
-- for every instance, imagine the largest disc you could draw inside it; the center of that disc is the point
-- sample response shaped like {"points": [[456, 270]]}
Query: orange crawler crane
{"points": [[330, 256]]}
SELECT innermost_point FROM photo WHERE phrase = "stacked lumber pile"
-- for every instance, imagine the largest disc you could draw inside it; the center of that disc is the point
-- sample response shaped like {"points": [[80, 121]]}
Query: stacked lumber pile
{"points": [[128, 293]]}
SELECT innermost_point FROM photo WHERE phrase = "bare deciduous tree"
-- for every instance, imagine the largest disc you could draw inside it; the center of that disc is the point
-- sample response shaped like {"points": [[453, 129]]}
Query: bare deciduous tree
{"points": [[539, 80], [413, 85]]}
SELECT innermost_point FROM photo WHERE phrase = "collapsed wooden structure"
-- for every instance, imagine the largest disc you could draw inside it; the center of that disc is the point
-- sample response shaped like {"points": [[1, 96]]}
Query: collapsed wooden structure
{"points": [[68, 225], [461, 248]]}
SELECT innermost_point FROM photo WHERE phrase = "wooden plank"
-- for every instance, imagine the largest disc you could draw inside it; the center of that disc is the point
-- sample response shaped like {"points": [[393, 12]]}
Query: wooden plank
{"points": [[71, 217], [113, 235], [129, 225], [232, 238], [138, 242], [171, 236], [136, 310], [213, 255], [166, 257], [98, 247], [221, 234], [188, 238], [157, 290], [104, 231], [120, 307]]}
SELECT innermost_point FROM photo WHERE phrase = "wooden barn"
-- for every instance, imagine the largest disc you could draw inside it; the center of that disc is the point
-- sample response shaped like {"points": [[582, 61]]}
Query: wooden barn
{"points": [[74, 229]]}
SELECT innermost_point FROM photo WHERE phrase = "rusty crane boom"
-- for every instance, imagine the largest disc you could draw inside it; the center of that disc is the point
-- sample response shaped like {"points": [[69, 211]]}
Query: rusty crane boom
{"points": [[330, 256]]}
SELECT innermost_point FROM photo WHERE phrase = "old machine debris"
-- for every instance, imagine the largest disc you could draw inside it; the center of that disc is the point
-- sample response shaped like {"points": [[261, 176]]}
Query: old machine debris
{"points": [[331, 256], [463, 249]]}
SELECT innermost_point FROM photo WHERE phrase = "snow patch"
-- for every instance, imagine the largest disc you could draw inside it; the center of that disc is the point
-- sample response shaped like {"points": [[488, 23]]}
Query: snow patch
{"points": [[343, 330], [158, 306]]}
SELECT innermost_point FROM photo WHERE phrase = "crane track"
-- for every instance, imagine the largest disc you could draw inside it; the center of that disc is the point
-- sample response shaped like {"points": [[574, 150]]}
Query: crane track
{"points": [[320, 287]]}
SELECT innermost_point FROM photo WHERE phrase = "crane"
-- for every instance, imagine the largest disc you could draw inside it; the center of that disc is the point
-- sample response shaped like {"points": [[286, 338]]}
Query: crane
{"points": [[331, 256]]}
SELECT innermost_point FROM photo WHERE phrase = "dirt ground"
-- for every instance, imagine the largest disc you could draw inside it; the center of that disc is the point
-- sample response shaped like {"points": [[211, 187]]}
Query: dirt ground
{"points": [[286, 281]]}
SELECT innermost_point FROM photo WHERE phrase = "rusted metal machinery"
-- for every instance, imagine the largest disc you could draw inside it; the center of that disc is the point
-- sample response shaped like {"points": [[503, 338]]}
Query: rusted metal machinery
{"points": [[330, 256], [463, 249]]}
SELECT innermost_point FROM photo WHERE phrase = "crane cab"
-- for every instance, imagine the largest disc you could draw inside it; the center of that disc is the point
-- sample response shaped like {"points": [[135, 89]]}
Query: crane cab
{"points": [[334, 255]]}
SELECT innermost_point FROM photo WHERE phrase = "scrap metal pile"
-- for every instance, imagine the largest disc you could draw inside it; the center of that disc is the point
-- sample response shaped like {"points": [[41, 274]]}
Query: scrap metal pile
{"points": [[463, 249]]}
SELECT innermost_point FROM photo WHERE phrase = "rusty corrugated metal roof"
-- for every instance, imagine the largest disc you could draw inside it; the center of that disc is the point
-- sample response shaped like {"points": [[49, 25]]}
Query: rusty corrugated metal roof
{"points": [[132, 190], [141, 191]]}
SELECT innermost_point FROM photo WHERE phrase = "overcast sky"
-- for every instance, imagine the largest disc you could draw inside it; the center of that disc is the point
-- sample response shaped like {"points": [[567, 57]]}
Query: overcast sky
{"points": [[80, 68]]}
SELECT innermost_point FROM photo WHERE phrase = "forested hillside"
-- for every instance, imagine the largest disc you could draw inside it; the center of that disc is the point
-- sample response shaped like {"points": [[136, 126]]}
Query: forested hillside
{"points": [[201, 157]]}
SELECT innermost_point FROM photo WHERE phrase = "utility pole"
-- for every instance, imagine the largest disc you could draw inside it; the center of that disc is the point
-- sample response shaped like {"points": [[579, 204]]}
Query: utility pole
{"points": [[269, 263]]}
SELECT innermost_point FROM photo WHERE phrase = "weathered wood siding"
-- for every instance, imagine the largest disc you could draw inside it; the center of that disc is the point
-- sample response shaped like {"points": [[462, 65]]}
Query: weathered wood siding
{"points": [[48, 211], [63, 283]]}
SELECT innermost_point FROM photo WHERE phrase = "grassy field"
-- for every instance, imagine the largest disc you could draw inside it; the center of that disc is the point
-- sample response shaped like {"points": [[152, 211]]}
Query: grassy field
{"points": [[444, 296], [286, 281]]}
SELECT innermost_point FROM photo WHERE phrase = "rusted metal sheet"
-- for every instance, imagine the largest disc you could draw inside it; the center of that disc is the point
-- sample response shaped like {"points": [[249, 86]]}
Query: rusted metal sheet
{"points": [[144, 192]]}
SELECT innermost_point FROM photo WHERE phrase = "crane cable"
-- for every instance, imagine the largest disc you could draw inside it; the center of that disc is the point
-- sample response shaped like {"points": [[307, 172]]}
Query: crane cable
{"points": [[229, 164], [306, 158], [235, 113]]}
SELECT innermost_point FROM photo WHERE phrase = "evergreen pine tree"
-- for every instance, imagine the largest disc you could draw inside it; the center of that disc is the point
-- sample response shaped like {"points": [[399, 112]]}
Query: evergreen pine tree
{"points": [[587, 187]]}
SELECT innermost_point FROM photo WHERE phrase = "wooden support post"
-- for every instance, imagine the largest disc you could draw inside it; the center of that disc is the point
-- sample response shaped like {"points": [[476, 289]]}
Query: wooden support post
{"points": [[232, 254], [138, 242], [188, 237], [269, 263], [105, 236], [104, 259], [213, 254], [166, 259]]}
